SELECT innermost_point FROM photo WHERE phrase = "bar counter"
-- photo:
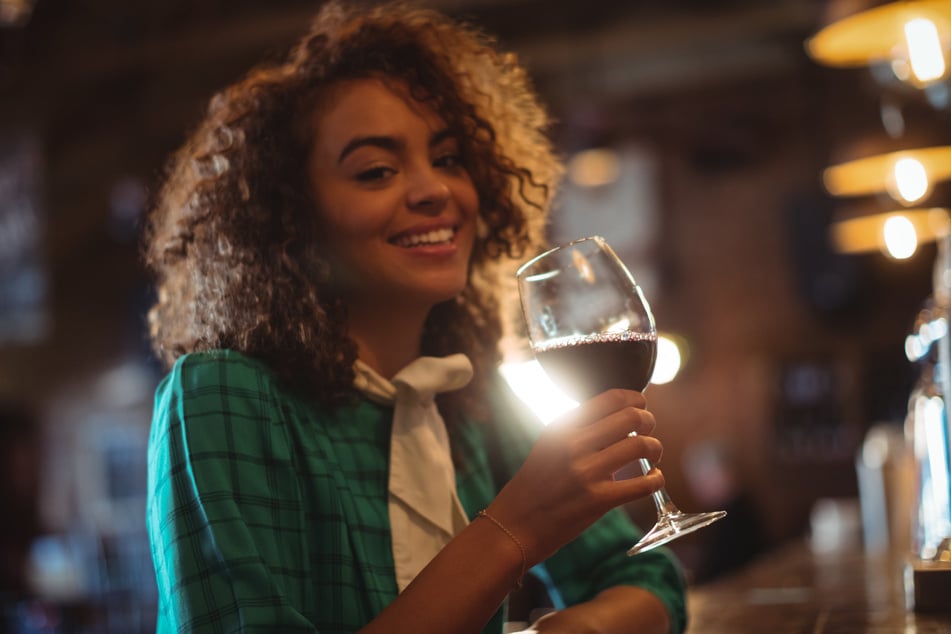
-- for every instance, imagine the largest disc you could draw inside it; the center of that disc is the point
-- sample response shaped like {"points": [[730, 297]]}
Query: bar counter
{"points": [[796, 590]]}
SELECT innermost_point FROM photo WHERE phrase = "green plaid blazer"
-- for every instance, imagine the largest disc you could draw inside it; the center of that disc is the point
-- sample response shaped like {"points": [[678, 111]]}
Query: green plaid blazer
{"points": [[268, 514]]}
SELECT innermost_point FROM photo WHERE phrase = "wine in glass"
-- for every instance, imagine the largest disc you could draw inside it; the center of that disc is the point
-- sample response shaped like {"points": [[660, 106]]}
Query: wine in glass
{"points": [[591, 329]]}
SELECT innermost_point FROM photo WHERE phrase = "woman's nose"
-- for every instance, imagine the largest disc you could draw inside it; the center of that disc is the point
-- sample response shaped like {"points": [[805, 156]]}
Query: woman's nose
{"points": [[426, 189]]}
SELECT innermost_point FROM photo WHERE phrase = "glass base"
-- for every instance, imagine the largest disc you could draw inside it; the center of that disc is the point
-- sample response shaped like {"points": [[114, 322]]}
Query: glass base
{"points": [[673, 525]]}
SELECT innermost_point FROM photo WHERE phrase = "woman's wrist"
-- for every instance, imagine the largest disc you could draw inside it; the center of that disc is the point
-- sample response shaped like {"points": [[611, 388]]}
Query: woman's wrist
{"points": [[505, 547], [484, 514]]}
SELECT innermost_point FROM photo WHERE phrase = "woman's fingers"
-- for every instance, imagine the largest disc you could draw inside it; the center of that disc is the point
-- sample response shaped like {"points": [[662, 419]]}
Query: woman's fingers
{"points": [[600, 406], [609, 431], [616, 426], [636, 488], [625, 451]]}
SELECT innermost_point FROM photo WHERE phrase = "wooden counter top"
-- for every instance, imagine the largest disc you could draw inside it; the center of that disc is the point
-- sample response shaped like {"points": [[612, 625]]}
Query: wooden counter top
{"points": [[795, 590]]}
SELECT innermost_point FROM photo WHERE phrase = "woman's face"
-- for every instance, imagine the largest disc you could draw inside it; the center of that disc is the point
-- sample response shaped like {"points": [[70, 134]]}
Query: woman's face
{"points": [[397, 209]]}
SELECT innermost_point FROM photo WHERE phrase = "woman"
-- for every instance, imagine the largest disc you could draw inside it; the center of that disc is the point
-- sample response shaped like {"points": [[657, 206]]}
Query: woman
{"points": [[326, 243]]}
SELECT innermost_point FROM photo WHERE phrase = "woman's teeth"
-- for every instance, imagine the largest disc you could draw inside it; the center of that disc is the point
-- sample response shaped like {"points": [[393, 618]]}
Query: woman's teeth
{"points": [[437, 236]]}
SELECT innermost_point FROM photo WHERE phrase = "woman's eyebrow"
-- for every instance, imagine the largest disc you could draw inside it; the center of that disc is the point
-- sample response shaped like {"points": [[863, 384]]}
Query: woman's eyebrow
{"points": [[440, 136], [384, 142], [390, 143]]}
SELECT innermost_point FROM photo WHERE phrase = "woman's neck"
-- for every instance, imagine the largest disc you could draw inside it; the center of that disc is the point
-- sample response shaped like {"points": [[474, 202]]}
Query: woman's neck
{"points": [[387, 339]]}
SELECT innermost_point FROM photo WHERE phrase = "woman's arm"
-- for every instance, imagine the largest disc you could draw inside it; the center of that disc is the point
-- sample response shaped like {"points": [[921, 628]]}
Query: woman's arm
{"points": [[223, 515], [617, 610], [596, 562], [565, 485], [460, 589]]}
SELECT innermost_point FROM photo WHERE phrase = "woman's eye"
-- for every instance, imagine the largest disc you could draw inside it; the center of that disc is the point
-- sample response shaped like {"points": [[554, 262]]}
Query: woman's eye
{"points": [[374, 174], [448, 160]]}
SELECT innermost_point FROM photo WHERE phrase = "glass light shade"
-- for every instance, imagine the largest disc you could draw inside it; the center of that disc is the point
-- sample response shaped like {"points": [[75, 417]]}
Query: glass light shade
{"points": [[865, 234], [878, 34], [877, 173]]}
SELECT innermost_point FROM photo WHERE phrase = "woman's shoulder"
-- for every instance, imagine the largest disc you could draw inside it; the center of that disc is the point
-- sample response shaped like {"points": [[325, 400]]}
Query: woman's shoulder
{"points": [[215, 408], [221, 375], [221, 366]]}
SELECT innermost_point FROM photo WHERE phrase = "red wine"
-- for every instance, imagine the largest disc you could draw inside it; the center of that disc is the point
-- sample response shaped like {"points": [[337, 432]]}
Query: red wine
{"points": [[588, 365]]}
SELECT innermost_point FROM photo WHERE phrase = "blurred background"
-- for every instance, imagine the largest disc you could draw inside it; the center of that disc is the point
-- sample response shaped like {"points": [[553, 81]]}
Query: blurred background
{"points": [[697, 134]]}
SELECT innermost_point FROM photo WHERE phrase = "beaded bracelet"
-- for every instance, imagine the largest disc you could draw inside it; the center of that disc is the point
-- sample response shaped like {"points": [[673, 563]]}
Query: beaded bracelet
{"points": [[518, 582]]}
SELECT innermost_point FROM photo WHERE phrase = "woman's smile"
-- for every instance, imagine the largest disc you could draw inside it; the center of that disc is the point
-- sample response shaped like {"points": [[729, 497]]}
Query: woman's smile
{"points": [[429, 238]]}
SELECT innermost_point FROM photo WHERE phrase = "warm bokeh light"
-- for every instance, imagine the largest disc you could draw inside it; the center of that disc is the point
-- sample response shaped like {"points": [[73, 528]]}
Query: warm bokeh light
{"points": [[909, 182], [916, 170], [15, 12], [882, 34], [865, 234], [901, 239], [924, 50], [668, 362], [594, 168]]}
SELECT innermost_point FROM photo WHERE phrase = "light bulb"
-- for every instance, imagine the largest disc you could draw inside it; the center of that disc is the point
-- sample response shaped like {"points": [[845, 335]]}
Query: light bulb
{"points": [[909, 181], [924, 50], [901, 239]]}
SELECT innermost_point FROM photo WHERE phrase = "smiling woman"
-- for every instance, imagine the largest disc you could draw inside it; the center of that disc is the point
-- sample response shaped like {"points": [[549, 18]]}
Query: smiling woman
{"points": [[332, 449], [239, 199]]}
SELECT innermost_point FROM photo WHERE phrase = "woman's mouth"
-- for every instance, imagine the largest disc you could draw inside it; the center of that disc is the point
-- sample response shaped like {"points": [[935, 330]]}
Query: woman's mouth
{"points": [[426, 238]]}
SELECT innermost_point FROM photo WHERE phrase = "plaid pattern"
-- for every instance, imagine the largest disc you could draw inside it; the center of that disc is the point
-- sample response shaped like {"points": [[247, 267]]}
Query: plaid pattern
{"points": [[266, 514]]}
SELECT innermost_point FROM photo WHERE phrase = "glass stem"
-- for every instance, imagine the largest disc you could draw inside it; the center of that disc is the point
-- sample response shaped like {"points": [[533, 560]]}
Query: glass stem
{"points": [[665, 506]]}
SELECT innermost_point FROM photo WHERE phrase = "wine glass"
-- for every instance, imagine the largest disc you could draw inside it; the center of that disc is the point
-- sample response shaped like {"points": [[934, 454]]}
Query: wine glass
{"points": [[591, 329]]}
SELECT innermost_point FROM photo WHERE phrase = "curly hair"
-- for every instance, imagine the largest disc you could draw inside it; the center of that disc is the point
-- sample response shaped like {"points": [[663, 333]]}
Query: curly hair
{"points": [[231, 237]]}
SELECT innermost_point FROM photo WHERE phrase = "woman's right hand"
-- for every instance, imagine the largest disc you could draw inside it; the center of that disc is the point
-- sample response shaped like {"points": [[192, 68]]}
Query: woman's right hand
{"points": [[568, 480]]}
